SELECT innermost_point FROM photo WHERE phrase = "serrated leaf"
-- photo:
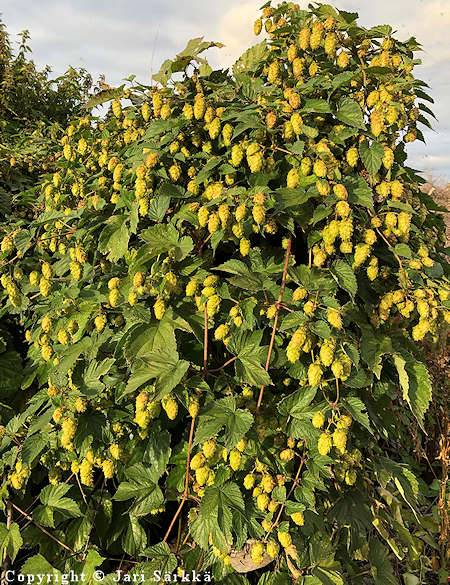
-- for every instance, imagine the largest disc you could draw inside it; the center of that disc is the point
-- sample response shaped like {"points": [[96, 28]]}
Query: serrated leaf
{"points": [[358, 410], [359, 192], [162, 558], [32, 447], [38, 565], [403, 250], [372, 156], [134, 540], [341, 79], [114, 237], [53, 497], [415, 383], [318, 106], [349, 112], [10, 540], [297, 148], [345, 276], [157, 451], [223, 413], [95, 371], [11, 371], [381, 568]]}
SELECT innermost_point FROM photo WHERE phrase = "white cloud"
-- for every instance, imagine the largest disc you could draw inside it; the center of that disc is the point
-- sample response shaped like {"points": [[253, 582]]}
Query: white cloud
{"points": [[121, 37]]}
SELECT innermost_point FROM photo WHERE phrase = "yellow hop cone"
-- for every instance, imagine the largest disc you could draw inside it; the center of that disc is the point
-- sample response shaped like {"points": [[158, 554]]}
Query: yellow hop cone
{"points": [[324, 444], [318, 420], [235, 459], [257, 553], [170, 405], [159, 309], [298, 518], [284, 538]]}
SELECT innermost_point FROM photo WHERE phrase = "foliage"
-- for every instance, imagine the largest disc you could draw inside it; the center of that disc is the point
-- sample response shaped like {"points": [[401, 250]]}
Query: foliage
{"points": [[33, 108], [223, 289]]}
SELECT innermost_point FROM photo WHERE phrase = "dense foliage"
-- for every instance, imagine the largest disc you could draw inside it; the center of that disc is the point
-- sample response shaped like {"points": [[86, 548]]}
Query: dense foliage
{"points": [[222, 291], [33, 107]]}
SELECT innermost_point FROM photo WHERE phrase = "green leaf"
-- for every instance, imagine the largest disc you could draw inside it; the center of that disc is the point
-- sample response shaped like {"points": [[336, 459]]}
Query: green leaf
{"points": [[381, 567], [415, 383], [359, 192], [249, 352], [237, 427], [341, 79], [297, 403], [162, 559], [349, 112], [345, 276], [144, 338], [52, 496], [358, 410], [38, 565], [102, 97], [220, 414], [11, 372], [141, 485], [403, 250], [157, 451], [95, 371], [158, 207], [372, 346], [160, 239], [372, 156], [10, 540], [250, 59], [216, 515], [134, 540], [32, 447], [114, 237], [316, 105], [297, 148], [162, 364], [329, 576]]}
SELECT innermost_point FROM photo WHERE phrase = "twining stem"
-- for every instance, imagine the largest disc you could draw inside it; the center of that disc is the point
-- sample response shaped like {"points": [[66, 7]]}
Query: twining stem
{"points": [[191, 433], [93, 522], [5, 562], [186, 484], [42, 529], [274, 330], [224, 365], [205, 342], [294, 483]]}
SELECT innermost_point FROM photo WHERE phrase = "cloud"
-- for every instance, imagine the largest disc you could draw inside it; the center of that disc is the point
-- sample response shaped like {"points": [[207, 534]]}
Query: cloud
{"points": [[118, 38]]}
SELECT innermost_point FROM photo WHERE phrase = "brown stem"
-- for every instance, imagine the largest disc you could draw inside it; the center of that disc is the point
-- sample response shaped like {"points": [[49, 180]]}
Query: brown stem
{"points": [[274, 330], [42, 529], [294, 483], [205, 342], [360, 574], [93, 522], [224, 365], [83, 495], [5, 563], [186, 483]]}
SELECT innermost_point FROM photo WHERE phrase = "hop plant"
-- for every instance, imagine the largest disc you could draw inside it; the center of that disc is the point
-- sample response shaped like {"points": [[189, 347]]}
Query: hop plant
{"points": [[272, 549], [257, 552], [235, 459], [170, 405], [284, 538], [324, 444], [214, 253], [298, 518]]}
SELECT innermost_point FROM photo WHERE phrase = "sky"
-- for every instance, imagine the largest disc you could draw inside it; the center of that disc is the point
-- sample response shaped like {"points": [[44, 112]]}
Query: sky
{"points": [[118, 38]]}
